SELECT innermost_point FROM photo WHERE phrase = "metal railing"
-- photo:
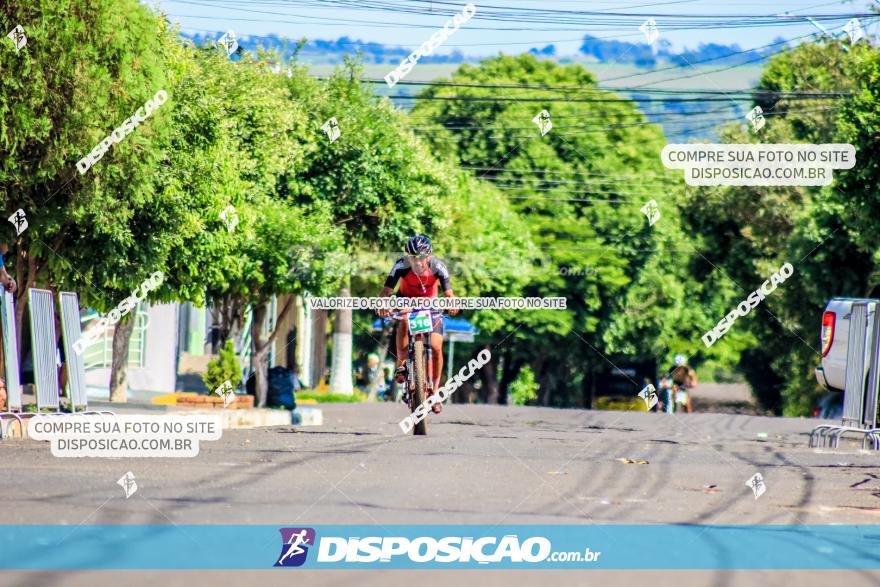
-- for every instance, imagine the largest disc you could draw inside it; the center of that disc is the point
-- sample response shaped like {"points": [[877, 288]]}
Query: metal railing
{"points": [[99, 353], [245, 348]]}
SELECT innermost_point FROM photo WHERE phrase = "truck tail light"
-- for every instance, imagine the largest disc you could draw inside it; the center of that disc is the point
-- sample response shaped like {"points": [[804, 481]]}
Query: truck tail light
{"points": [[827, 331]]}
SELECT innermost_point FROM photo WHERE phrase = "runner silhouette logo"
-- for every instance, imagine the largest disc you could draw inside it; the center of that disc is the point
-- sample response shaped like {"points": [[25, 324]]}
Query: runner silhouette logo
{"points": [[295, 544]]}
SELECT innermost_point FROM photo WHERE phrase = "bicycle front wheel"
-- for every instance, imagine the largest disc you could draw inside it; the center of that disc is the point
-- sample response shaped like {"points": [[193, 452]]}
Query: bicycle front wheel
{"points": [[420, 392]]}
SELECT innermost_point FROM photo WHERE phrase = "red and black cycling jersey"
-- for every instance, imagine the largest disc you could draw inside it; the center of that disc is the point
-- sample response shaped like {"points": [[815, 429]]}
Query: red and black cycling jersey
{"points": [[413, 285]]}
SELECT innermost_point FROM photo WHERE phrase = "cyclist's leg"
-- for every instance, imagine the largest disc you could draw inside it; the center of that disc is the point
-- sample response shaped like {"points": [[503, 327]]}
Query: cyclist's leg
{"points": [[437, 347], [437, 355], [437, 360], [402, 343]]}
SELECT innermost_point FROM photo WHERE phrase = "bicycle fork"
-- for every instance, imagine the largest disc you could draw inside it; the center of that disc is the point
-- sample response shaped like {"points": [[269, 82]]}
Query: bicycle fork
{"points": [[429, 359], [410, 367], [430, 370]]}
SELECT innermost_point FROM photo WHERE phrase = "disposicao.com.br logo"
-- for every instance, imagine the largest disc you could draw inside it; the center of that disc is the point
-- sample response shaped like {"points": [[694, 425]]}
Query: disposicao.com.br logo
{"points": [[295, 543], [430, 551]]}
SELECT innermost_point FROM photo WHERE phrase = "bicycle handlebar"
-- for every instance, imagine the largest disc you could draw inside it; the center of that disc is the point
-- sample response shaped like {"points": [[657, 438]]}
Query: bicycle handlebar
{"points": [[410, 311]]}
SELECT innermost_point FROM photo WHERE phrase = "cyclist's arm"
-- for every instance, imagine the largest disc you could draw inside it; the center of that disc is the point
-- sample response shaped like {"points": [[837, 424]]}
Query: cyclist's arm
{"points": [[395, 275], [450, 294], [442, 274], [397, 271]]}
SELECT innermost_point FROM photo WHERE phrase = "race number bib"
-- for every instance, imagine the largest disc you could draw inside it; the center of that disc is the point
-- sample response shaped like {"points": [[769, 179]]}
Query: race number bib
{"points": [[420, 322]]}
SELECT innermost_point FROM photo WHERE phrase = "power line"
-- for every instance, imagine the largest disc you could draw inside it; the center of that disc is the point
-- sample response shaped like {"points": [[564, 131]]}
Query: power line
{"points": [[558, 172], [751, 92], [508, 188], [495, 12], [495, 179], [713, 125], [543, 41], [543, 16], [609, 126], [582, 100], [707, 60], [639, 115], [582, 200]]}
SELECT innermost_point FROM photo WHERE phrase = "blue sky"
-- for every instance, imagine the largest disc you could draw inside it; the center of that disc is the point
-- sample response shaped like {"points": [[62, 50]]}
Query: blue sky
{"points": [[410, 22]]}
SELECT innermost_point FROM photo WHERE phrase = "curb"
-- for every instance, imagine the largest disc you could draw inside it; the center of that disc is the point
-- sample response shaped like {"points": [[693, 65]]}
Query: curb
{"points": [[234, 419], [244, 418]]}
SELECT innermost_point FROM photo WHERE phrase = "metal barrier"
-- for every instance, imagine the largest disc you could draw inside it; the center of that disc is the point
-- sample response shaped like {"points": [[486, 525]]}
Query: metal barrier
{"points": [[869, 416], [76, 372], [10, 361], [860, 395], [10, 352], [45, 358], [44, 349]]}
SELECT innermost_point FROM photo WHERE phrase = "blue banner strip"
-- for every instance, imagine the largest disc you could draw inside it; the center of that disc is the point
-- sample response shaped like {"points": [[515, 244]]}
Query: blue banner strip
{"points": [[434, 546]]}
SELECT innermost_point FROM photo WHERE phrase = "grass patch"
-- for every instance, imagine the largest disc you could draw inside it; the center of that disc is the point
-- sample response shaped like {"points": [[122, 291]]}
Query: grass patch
{"points": [[620, 403], [331, 398], [32, 409]]}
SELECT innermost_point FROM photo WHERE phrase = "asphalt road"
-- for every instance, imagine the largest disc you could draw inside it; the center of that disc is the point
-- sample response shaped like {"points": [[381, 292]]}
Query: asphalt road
{"points": [[479, 465]]}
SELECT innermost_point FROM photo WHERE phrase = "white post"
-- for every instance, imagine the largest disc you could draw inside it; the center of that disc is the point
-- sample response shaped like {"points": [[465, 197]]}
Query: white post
{"points": [[449, 360], [304, 340], [340, 368]]}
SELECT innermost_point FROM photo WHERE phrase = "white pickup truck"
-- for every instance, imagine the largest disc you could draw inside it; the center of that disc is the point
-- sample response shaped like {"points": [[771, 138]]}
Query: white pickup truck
{"points": [[831, 375]]}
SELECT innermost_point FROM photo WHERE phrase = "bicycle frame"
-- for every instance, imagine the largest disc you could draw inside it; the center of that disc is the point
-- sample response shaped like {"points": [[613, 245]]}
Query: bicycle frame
{"points": [[422, 373], [425, 337]]}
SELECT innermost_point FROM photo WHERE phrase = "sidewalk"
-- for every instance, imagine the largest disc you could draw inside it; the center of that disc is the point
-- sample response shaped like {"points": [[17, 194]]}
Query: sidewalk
{"points": [[232, 418]]}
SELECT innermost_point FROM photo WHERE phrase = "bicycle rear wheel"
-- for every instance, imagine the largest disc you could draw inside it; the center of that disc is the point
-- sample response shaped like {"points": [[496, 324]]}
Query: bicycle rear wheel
{"points": [[420, 392]]}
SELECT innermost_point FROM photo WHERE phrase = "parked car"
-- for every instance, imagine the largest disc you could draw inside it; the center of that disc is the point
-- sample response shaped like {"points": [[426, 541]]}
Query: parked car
{"points": [[834, 339]]}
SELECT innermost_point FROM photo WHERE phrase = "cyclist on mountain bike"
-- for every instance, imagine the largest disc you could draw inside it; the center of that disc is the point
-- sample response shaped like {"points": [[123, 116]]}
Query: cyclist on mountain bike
{"points": [[684, 379], [420, 275]]}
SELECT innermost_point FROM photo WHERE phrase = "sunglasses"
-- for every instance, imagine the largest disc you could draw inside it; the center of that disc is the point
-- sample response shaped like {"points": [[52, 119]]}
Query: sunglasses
{"points": [[419, 257]]}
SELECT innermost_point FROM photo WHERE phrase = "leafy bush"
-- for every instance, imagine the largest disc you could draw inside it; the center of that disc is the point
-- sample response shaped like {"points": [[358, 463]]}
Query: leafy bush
{"points": [[524, 388], [223, 368]]}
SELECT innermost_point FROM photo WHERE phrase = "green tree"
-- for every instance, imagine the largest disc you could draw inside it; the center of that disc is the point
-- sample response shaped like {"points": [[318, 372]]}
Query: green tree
{"points": [[379, 181], [828, 234], [580, 189], [242, 239], [275, 245], [224, 368], [524, 388], [87, 67]]}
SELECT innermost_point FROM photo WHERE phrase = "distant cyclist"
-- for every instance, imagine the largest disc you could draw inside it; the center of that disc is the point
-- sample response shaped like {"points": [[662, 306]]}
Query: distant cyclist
{"points": [[684, 379], [420, 275]]}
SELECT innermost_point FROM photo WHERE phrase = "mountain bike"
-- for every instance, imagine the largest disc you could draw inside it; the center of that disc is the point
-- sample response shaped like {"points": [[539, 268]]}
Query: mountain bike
{"points": [[419, 360]]}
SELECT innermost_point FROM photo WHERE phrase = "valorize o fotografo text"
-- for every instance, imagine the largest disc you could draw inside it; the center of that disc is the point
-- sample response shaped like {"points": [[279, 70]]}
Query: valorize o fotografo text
{"points": [[437, 304]]}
